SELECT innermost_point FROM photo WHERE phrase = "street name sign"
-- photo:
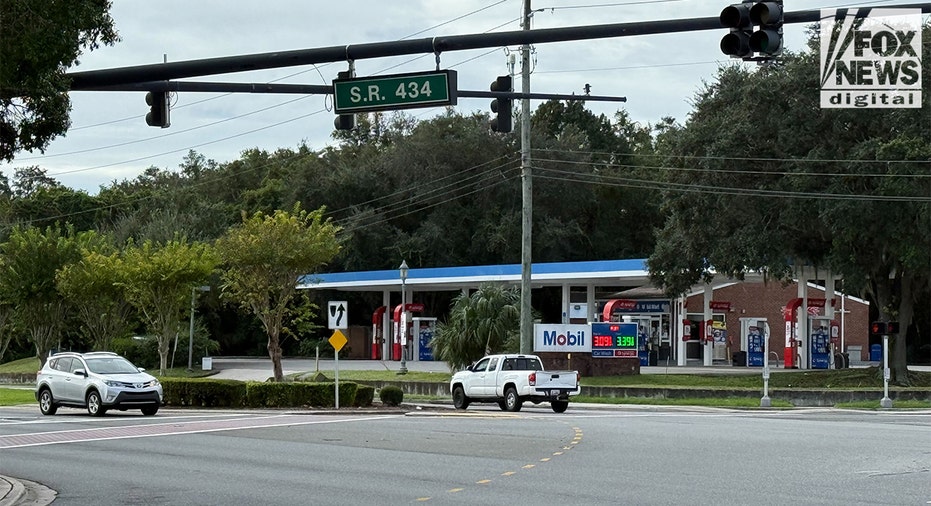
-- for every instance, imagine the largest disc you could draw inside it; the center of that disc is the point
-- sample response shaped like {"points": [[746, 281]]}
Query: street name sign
{"points": [[399, 91]]}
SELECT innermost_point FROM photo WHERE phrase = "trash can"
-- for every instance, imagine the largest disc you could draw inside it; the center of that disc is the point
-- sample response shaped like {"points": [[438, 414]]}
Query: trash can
{"points": [[653, 357], [739, 359], [876, 353], [664, 351]]}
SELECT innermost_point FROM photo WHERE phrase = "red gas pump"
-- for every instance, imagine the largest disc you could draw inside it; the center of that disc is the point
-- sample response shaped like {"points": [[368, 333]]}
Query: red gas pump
{"points": [[377, 319], [396, 344]]}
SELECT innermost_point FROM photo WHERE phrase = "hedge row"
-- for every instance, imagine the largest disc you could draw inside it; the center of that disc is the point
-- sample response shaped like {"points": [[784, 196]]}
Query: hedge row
{"points": [[206, 392]]}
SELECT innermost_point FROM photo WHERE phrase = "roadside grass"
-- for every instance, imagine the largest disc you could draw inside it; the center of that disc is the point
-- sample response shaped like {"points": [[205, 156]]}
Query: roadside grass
{"points": [[21, 366], [736, 402], [16, 396]]}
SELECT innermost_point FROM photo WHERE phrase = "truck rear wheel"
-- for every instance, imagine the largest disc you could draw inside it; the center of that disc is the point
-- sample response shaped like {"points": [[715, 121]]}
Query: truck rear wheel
{"points": [[560, 406], [512, 401], [460, 401]]}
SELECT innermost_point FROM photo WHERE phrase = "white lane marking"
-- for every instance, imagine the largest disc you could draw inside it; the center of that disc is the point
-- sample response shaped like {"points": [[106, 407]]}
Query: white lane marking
{"points": [[172, 433]]}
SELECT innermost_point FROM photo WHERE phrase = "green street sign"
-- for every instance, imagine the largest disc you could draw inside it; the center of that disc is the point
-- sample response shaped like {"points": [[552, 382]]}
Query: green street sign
{"points": [[401, 91]]}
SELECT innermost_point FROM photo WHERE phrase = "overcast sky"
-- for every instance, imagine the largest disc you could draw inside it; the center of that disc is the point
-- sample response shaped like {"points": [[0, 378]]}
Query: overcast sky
{"points": [[109, 140]]}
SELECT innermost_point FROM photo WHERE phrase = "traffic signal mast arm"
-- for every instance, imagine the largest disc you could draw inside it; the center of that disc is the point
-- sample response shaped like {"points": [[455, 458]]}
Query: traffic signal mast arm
{"points": [[95, 79]]}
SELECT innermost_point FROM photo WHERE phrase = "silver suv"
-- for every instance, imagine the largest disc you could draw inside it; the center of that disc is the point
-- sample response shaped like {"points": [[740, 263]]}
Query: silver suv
{"points": [[97, 381]]}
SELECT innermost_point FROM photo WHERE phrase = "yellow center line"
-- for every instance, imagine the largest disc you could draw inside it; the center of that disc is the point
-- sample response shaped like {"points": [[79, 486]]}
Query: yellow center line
{"points": [[454, 490], [508, 473], [483, 482], [529, 466]]}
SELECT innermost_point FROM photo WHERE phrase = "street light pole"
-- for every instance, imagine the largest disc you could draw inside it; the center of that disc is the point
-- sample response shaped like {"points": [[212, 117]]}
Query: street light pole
{"points": [[190, 342], [402, 328]]}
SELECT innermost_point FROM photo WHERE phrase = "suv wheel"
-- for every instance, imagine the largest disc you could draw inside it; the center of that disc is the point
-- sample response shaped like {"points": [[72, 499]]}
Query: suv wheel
{"points": [[94, 404], [46, 403], [150, 410]]}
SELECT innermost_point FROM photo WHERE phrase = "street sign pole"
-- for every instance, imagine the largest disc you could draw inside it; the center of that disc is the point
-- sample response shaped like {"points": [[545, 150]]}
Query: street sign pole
{"points": [[337, 341]]}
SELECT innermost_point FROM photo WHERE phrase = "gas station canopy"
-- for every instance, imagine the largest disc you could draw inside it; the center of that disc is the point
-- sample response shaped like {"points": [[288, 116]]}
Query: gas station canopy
{"points": [[619, 273]]}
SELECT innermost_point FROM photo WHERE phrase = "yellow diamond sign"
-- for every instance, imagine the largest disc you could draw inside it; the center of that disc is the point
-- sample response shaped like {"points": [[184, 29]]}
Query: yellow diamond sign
{"points": [[338, 340]]}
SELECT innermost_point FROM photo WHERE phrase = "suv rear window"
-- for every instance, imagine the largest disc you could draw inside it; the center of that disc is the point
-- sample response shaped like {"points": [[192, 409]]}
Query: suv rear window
{"points": [[522, 364]]}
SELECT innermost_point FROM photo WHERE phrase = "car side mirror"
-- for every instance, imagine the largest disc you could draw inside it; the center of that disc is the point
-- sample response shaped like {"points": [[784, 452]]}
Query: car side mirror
{"points": [[141, 369], [80, 372], [470, 367]]}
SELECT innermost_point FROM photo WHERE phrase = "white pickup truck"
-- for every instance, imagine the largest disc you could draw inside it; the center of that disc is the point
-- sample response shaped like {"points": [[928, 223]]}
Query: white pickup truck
{"points": [[509, 380]]}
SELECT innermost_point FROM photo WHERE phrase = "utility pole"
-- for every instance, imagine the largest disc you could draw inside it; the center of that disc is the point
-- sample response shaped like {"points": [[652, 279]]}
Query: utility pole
{"points": [[526, 257]]}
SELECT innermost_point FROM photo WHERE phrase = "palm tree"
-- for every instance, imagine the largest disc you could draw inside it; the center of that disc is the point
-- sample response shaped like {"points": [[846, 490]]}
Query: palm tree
{"points": [[485, 322]]}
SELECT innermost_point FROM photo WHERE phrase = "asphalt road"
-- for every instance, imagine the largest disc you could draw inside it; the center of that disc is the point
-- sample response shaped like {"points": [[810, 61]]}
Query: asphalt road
{"points": [[610, 455]]}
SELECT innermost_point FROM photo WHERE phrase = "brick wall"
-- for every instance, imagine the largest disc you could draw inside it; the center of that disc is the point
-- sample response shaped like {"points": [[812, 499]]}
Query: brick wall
{"points": [[766, 300]]}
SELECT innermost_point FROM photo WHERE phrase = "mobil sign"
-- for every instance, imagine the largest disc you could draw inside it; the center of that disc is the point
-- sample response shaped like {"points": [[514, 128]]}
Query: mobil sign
{"points": [[559, 337]]}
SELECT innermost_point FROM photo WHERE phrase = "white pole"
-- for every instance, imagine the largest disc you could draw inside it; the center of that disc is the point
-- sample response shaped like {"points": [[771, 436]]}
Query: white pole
{"points": [[336, 375], [765, 402], [885, 402]]}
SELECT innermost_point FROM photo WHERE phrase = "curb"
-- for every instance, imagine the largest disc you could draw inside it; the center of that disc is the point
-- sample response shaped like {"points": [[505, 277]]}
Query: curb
{"points": [[11, 491]]}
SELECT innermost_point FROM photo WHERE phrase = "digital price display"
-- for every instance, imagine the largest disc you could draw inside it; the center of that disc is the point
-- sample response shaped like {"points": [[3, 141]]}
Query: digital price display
{"points": [[614, 340]]}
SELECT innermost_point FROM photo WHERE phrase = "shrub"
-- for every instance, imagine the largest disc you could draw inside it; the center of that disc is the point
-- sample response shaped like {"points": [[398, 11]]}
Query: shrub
{"points": [[364, 396], [203, 392], [391, 395]]}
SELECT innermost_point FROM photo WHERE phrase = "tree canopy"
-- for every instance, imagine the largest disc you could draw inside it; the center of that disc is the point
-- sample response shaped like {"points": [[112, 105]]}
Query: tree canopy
{"points": [[38, 43]]}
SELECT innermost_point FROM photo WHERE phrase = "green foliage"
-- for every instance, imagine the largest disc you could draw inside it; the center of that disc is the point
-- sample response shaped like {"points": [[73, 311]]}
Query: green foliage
{"points": [[29, 261], [266, 256], [391, 395], [206, 393], [158, 280], [38, 42], [91, 285], [487, 321], [364, 396]]}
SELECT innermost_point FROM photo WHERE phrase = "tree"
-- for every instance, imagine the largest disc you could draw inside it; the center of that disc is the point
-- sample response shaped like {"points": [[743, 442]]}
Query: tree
{"points": [[38, 43], [766, 180], [92, 287], [485, 322], [158, 279], [29, 261], [264, 259]]}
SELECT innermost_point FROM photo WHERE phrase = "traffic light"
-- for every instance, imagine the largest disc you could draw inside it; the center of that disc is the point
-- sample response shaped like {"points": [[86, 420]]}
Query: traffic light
{"points": [[768, 39], [892, 327], [501, 106], [742, 41], [158, 114], [736, 44], [879, 328], [345, 121]]}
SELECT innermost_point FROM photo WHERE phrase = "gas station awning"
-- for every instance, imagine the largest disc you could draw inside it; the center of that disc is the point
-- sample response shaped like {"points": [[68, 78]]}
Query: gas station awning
{"points": [[620, 273]]}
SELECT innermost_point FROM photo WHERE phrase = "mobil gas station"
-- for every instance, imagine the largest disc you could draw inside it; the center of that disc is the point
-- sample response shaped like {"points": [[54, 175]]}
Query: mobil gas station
{"points": [[611, 314]]}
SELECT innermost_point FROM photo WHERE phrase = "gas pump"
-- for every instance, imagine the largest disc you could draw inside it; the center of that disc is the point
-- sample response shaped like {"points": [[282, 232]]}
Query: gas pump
{"points": [[819, 338], [643, 341], [377, 319], [752, 332], [402, 332], [423, 330]]}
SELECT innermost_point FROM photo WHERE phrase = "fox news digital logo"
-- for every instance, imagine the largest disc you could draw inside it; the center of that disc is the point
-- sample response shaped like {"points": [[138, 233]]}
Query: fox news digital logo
{"points": [[871, 58]]}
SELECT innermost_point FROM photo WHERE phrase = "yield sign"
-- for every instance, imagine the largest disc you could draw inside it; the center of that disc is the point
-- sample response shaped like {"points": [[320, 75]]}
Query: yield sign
{"points": [[337, 314]]}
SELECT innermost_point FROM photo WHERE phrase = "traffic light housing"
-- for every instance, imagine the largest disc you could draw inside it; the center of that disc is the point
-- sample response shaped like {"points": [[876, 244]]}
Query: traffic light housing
{"points": [[158, 115], [879, 328], [501, 107], [892, 327], [736, 44], [769, 16], [742, 18], [345, 121]]}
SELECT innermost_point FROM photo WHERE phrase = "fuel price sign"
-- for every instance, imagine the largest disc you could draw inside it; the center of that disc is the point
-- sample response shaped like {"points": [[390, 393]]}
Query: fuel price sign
{"points": [[614, 340]]}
